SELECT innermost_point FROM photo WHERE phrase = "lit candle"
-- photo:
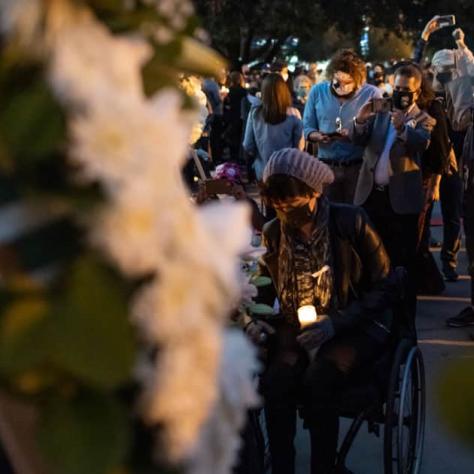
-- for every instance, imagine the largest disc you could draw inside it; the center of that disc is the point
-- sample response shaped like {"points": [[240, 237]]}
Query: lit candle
{"points": [[307, 315]]}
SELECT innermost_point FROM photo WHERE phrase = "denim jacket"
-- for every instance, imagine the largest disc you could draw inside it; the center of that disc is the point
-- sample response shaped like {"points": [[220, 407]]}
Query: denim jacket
{"points": [[321, 112]]}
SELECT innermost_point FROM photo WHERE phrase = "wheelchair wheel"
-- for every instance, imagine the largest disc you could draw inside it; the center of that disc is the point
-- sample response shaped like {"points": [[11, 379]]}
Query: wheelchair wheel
{"points": [[405, 412]]}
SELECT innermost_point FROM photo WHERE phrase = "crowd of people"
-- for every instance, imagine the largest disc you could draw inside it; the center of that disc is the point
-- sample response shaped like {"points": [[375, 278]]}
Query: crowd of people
{"points": [[347, 165]]}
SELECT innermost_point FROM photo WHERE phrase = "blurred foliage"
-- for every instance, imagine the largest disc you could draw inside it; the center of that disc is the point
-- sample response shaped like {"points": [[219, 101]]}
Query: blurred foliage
{"points": [[86, 433], [66, 343], [456, 396]]}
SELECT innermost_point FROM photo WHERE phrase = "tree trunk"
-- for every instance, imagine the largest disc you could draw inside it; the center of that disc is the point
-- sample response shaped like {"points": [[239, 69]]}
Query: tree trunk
{"points": [[246, 38]]}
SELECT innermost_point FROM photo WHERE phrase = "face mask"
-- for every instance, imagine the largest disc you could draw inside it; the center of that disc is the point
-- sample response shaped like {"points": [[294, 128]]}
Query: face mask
{"points": [[296, 217], [378, 78], [342, 91], [402, 100], [444, 77], [302, 93]]}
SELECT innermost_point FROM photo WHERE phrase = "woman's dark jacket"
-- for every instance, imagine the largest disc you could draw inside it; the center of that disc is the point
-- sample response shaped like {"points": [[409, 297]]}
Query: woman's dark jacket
{"points": [[364, 285], [435, 159]]}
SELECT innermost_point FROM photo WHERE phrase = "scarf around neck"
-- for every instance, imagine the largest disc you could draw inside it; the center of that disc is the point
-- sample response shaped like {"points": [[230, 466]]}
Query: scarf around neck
{"points": [[305, 268]]}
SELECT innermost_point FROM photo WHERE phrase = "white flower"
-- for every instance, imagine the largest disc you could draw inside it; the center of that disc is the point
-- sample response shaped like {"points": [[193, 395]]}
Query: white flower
{"points": [[88, 62], [21, 19], [117, 140], [163, 34], [248, 290], [219, 442], [134, 147]]}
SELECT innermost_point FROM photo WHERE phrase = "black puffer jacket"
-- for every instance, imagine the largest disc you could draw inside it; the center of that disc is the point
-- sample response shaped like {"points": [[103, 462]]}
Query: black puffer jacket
{"points": [[366, 288]]}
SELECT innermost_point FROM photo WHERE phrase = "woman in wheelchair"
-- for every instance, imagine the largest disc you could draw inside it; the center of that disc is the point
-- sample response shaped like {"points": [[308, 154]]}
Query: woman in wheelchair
{"points": [[329, 256]]}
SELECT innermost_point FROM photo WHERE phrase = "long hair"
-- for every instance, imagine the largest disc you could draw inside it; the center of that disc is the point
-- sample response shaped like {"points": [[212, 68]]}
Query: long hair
{"points": [[276, 99], [348, 61], [427, 94]]}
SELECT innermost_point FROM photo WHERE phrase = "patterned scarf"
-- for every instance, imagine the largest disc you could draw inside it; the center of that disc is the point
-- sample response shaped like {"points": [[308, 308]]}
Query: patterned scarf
{"points": [[305, 268]]}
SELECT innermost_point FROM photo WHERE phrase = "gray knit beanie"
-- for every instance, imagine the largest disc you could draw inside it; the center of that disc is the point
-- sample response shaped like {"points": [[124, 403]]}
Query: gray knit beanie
{"points": [[300, 165]]}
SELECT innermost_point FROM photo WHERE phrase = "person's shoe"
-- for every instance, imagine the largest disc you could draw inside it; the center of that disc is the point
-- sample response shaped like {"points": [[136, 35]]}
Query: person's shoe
{"points": [[450, 274], [463, 319]]}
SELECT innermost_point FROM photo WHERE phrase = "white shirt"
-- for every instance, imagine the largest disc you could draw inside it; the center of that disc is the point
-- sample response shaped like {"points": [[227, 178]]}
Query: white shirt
{"points": [[383, 169]]}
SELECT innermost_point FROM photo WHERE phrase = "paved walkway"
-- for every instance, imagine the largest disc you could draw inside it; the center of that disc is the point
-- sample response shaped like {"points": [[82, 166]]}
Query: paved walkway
{"points": [[441, 345]]}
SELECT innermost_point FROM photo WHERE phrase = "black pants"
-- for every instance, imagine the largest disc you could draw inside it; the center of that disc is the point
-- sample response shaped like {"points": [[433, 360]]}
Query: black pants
{"points": [[290, 379], [345, 181], [399, 234], [216, 141], [451, 208]]}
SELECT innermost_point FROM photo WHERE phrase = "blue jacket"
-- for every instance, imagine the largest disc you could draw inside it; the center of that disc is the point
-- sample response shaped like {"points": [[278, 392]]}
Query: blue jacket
{"points": [[321, 112], [261, 139]]}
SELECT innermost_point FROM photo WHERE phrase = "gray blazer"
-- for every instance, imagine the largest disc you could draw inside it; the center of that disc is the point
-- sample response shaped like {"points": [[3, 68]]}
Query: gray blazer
{"points": [[405, 184]]}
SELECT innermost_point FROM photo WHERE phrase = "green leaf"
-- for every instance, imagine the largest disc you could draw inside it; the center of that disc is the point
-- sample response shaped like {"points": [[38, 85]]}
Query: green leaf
{"points": [[32, 123], [455, 396], [88, 434], [92, 336], [260, 309], [23, 335], [261, 281]]}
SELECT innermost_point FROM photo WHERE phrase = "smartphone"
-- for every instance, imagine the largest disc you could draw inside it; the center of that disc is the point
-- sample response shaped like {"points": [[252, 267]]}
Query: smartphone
{"points": [[381, 105], [334, 135], [446, 20], [217, 186]]}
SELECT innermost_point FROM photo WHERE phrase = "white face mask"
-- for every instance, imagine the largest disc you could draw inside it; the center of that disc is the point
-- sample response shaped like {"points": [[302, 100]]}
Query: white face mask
{"points": [[342, 90]]}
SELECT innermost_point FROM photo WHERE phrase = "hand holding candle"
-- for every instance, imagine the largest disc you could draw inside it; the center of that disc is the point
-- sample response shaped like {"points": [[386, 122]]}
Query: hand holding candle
{"points": [[307, 315]]}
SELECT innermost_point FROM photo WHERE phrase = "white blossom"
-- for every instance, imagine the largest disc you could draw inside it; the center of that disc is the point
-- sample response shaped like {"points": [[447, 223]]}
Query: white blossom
{"points": [[134, 147], [21, 19], [87, 62], [218, 445]]}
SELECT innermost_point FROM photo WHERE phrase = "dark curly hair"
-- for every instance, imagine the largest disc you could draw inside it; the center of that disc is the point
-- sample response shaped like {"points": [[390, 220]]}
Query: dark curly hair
{"points": [[348, 61]]}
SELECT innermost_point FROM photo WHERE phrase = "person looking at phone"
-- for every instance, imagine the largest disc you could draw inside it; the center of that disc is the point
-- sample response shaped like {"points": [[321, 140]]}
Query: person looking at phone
{"points": [[390, 184], [328, 115]]}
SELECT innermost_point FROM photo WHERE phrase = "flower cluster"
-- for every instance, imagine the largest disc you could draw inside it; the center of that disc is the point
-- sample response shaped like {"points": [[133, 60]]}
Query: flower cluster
{"points": [[134, 147]]}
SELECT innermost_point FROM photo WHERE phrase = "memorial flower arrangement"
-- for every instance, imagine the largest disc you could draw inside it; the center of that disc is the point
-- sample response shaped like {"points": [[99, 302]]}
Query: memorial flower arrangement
{"points": [[115, 288]]}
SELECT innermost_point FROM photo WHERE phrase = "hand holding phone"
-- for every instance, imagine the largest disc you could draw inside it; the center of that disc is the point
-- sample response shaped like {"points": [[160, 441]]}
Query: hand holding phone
{"points": [[446, 20]]}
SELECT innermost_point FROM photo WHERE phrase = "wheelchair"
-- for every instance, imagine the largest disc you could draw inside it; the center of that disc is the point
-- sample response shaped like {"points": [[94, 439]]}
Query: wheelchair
{"points": [[394, 398], [392, 394]]}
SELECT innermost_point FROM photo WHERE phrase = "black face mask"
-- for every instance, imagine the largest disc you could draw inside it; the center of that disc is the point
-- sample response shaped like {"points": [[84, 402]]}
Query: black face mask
{"points": [[444, 77], [402, 100], [296, 217]]}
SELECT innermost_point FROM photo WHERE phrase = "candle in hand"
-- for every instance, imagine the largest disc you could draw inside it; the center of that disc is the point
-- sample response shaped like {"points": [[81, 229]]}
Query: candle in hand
{"points": [[307, 315]]}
